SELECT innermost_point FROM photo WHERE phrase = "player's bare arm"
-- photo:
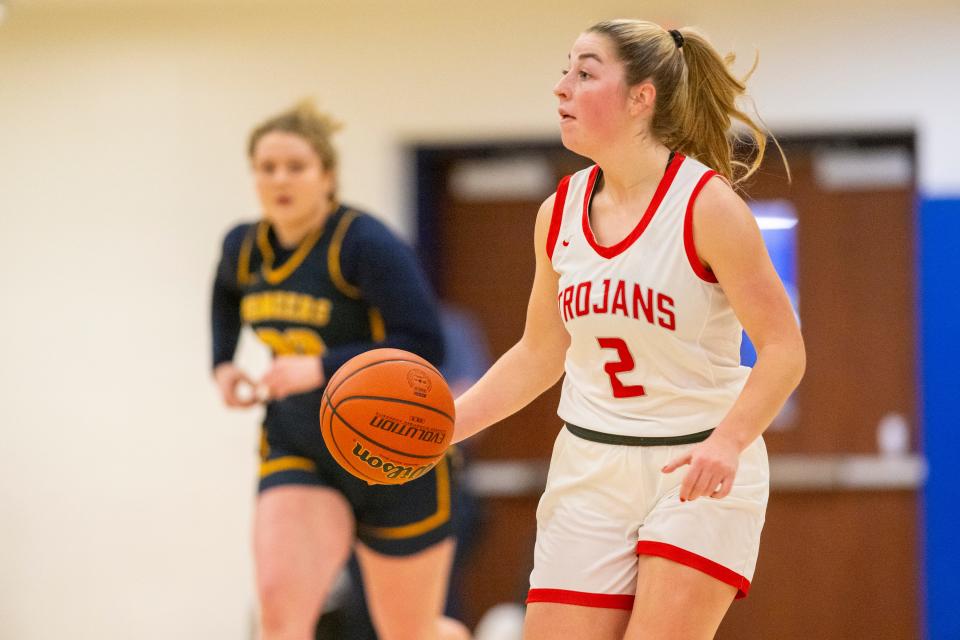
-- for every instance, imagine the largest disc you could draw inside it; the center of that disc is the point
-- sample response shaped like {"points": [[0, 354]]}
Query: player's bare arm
{"points": [[729, 243]]}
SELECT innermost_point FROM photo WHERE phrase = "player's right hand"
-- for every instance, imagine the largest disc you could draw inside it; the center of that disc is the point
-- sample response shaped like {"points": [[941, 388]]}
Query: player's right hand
{"points": [[236, 387]]}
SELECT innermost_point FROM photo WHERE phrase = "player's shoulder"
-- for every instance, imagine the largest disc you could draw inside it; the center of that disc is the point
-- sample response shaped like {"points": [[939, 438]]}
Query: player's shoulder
{"points": [[361, 226], [549, 218], [718, 201], [575, 182], [234, 237], [722, 222], [707, 184], [547, 206], [361, 220]]}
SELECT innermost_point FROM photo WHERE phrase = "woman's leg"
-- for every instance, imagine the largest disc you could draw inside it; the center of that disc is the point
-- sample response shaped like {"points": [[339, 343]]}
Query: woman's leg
{"points": [[405, 594], [695, 557], [302, 539], [550, 620], [677, 602]]}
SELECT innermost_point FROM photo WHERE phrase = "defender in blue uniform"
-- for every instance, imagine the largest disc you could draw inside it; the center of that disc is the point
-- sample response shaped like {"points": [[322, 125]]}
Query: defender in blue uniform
{"points": [[320, 282]]}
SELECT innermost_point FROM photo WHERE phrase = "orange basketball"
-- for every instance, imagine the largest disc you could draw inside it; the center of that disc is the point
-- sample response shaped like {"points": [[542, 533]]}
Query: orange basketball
{"points": [[387, 416]]}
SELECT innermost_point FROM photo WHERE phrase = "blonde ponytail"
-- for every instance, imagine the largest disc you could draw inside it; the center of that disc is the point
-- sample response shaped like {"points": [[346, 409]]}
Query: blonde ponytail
{"points": [[696, 95]]}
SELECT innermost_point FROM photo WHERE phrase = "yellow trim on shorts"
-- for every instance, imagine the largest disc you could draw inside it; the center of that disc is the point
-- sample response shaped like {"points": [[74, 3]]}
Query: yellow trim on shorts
{"points": [[378, 329], [276, 276], [333, 257], [429, 523], [286, 463]]}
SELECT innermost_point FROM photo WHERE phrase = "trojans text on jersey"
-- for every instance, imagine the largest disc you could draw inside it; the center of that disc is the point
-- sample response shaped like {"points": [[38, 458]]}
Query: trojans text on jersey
{"points": [[618, 297]]}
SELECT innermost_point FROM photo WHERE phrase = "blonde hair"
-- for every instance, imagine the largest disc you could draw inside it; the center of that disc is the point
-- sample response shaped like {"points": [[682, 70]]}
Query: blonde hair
{"points": [[306, 121], [696, 94]]}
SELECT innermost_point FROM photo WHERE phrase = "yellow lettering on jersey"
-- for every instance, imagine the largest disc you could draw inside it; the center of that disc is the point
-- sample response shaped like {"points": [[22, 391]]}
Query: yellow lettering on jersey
{"points": [[286, 306], [292, 342]]}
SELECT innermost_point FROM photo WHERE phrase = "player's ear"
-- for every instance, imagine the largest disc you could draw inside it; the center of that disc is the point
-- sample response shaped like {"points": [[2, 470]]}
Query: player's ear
{"points": [[329, 179], [642, 97]]}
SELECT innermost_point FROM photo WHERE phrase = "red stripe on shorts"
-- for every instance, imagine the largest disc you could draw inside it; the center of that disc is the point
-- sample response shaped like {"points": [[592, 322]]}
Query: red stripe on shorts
{"points": [[599, 600], [690, 559]]}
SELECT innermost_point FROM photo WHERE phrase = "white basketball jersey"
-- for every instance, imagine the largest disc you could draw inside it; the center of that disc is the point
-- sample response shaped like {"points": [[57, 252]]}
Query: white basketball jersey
{"points": [[655, 345]]}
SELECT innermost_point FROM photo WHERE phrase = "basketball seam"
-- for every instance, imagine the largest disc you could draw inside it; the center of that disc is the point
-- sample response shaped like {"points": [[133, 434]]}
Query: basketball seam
{"points": [[399, 400], [373, 364]]}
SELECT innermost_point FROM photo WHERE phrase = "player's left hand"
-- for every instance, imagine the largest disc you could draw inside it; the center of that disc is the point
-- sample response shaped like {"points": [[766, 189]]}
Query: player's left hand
{"points": [[290, 375], [713, 467]]}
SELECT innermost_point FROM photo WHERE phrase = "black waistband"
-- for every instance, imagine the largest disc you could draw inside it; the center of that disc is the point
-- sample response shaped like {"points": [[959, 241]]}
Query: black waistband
{"points": [[637, 441]]}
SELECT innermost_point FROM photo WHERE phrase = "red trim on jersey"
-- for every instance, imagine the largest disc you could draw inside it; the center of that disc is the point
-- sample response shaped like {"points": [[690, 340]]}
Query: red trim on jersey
{"points": [[557, 216], [692, 257], [692, 560], [620, 247], [598, 600]]}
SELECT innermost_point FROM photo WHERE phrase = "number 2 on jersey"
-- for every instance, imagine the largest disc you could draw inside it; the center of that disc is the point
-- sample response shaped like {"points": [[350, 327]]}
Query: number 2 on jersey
{"points": [[624, 364]]}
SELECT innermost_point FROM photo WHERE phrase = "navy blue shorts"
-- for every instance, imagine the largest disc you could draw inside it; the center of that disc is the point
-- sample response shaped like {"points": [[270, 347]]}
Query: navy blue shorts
{"points": [[396, 520]]}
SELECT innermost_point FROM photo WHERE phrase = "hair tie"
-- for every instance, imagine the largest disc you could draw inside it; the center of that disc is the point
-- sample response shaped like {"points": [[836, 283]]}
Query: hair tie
{"points": [[677, 38]]}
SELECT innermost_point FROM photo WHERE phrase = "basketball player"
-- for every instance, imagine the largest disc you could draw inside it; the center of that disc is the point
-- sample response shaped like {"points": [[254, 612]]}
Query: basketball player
{"points": [[647, 263], [320, 282]]}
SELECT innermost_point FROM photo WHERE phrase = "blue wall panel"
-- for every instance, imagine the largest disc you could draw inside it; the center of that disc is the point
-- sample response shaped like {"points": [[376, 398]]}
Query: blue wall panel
{"points": [[939, 231]]}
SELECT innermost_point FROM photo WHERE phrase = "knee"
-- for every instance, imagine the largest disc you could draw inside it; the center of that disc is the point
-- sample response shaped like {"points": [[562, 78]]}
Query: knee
{"points": [[281, 616]]}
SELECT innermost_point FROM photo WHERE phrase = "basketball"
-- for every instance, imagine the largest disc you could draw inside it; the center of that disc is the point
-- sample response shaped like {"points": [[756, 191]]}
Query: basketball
{"points": [[387, 416]]}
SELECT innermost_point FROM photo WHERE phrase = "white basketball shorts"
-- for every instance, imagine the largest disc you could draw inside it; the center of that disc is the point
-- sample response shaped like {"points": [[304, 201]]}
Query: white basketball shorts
{"points": [[604, 505]]}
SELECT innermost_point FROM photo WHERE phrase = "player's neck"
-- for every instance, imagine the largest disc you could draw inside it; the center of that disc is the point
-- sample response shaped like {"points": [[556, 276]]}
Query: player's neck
{"points": [[290, 233], [630, 171]]}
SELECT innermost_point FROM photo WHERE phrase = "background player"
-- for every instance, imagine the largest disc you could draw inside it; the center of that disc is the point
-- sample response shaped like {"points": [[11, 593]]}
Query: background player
{"points": [[321, 282], [645, 269], [466, 358]]}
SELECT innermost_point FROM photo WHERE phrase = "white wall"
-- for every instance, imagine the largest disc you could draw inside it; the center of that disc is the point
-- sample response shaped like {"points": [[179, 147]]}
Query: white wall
{"points": [[124, 486]]}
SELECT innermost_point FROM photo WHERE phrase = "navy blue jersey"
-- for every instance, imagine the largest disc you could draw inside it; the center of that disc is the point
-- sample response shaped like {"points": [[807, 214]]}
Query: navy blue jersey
{"points": [[348, 287]]}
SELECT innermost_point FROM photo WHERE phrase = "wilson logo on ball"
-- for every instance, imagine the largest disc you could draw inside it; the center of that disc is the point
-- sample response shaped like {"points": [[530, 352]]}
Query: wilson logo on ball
{"points": [[389, 469]]}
